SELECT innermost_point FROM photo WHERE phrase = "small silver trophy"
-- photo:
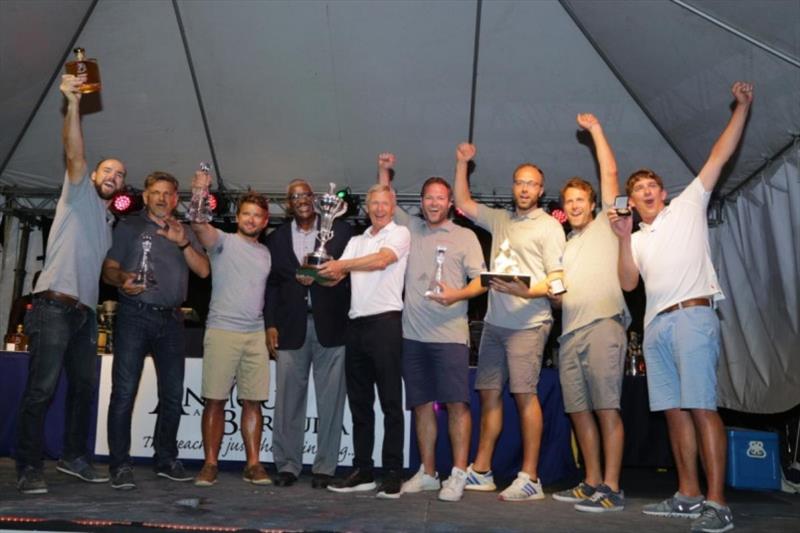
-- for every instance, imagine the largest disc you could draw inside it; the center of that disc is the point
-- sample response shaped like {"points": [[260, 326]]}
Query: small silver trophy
{"points": [[199, 208], [434, 287], [328, 206], [145, 276]]}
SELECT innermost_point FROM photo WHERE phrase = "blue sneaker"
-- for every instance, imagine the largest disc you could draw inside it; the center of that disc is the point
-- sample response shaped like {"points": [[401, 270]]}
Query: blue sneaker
{"points": [[604, 500]]}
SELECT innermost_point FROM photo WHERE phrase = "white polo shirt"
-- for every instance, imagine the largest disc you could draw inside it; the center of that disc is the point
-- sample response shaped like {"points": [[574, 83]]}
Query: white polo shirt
{"points": [[673, 254], [378, 291]]}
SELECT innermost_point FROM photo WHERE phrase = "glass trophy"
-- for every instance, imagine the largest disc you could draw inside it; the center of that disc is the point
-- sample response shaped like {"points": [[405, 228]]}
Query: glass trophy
{"points": [[434, 287], [145, 277], [506, 266], [199, 207]]}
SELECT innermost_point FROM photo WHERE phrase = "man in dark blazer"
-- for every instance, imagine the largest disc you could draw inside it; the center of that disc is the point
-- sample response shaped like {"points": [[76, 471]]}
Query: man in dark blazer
{"points": [[306, 325]]}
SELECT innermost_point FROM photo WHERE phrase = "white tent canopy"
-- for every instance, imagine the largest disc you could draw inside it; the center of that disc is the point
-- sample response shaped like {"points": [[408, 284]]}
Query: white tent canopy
{"points": [[317, 89], [272, 90]]}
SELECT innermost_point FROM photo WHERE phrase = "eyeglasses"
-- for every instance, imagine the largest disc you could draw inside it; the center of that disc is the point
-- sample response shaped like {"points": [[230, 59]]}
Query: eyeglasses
{"points": [[528, 184], [300, 196]]}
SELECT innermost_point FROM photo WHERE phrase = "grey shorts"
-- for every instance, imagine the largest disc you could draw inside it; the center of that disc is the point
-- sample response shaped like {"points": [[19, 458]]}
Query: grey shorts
{"points": [[591, 363], [513, 355]]}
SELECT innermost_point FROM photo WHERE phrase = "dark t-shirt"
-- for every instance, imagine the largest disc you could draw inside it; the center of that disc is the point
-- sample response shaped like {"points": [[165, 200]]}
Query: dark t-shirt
{"points": [[167, 261]]}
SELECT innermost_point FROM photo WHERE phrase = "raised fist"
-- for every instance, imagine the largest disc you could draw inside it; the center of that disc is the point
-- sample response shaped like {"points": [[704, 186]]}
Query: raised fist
{"points": [[743, 92], [587, 121], [465, 152], [386, 161]]}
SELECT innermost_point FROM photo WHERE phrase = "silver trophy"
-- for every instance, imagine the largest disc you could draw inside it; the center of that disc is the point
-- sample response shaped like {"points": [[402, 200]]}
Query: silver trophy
{"points": [[328, 206], [199, 206], [434, 287], [145, 277]]}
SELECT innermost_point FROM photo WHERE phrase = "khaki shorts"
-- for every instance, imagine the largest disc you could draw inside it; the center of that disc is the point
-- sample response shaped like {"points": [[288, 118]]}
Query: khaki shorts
{"points": [[591, 362], [513, 355], [230, 356]]}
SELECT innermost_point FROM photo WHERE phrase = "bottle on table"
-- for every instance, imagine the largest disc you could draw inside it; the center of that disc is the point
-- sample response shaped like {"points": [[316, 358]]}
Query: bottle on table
{"points": [[85, 65], [634, 362], [17, 341]]}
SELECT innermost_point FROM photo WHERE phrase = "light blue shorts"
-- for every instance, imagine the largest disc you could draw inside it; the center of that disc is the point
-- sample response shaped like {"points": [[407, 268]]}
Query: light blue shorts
{"points": [[681, 350]]}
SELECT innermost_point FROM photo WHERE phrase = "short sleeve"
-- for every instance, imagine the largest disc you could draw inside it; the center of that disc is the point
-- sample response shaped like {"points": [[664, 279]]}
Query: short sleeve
{"points": [[474, 263], [553, 245], [399, 241], [489, 218]]}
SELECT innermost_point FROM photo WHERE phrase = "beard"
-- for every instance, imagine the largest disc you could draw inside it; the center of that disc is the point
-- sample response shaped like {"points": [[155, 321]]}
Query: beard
{"points": [[254, 233], [104, 195]]}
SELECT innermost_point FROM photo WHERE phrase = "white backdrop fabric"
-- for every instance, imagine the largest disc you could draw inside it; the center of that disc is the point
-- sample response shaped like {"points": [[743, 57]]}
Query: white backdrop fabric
{"points": [[757, 255]]}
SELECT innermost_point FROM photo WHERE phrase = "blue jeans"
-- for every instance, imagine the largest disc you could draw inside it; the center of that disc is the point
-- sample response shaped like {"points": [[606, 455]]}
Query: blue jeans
{"points": [[141, 329], [59, 334]]}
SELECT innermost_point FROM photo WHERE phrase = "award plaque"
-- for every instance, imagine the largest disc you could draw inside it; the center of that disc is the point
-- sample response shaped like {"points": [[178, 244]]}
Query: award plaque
{"points": [[328, 206], [506, 267]]}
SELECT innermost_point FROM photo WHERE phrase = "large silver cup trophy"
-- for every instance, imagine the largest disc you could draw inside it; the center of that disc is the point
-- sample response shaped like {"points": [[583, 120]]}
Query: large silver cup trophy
{"points": [[328, 206]]}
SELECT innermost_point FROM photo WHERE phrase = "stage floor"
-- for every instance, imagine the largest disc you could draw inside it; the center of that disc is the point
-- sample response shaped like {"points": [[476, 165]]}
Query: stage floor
{"points": [[233, 504]]}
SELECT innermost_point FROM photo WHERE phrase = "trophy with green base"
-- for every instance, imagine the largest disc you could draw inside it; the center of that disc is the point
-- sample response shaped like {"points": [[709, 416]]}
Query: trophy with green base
{"points": [[328, 206]]}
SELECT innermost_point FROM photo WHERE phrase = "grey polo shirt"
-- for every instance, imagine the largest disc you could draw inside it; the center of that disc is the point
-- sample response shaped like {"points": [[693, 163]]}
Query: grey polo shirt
{"points": [[539, 241], [425, 320], [169, 265], [590, 275], [78, 242]]}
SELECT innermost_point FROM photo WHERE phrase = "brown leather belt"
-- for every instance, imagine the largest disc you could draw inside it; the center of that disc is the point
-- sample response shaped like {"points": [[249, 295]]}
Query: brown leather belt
{"points": [[65, 299], [691, 302]]}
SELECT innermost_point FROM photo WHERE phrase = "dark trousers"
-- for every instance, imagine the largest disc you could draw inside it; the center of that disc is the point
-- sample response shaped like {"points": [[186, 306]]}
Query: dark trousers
{"points": [[373, 354], [140, 330], [59, 334]]}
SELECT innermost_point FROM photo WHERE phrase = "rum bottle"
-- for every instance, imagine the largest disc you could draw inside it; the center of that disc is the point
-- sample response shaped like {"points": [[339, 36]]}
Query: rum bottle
{"points": [[85, 65]]}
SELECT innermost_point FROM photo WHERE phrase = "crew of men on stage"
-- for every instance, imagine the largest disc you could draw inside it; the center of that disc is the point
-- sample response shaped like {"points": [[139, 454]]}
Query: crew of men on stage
{"points": [[370, 318]]}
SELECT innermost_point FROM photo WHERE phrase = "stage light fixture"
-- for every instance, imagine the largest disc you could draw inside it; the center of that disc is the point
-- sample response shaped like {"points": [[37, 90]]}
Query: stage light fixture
{"points": [[126, 201], [351, 201], [556, 212]]}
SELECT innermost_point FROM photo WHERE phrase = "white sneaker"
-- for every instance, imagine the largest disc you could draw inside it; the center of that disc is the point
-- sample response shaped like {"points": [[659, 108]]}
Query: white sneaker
{"points": [[421, 481], [453, 487], [522, 489], [480, 482]]}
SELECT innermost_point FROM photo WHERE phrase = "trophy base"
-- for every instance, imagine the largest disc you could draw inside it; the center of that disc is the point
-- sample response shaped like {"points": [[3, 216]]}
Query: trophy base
{"points": [[312, 271], [486, 276], [314, 260]]}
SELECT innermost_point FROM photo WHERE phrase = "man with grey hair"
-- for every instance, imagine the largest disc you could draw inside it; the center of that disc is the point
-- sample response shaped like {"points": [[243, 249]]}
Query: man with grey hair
{"points": [[306, 324], [150, 321], [376, 261]]}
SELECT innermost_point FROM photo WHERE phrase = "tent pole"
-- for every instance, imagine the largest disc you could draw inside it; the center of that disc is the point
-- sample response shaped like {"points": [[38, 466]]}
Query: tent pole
{"points": [[47, 87], [475, 51], [730, 29], [22, 258], [628, 88], [203, 116]]}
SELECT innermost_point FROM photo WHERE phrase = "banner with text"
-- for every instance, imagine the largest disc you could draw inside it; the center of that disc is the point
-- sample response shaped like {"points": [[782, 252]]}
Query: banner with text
{"points": [[190, 441]]}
